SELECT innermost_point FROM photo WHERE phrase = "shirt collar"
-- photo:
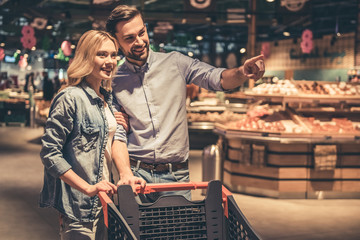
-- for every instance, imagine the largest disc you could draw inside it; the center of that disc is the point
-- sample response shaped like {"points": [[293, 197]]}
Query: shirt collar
{"points": [[136, 69]]}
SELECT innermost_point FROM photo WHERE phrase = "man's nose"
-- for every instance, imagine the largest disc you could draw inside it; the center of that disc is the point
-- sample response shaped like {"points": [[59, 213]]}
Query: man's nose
{"points": [[139, 40]]}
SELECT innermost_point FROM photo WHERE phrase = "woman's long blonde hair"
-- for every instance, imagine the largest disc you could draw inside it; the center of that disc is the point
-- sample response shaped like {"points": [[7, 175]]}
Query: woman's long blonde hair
{"points": [[83, 63]]}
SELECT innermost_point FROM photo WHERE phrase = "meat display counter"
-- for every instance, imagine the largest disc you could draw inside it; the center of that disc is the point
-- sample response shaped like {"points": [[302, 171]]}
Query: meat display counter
{"points": [[308, 148]]}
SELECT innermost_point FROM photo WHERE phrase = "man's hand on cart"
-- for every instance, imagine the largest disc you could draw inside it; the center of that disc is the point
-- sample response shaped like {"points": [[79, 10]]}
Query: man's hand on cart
{"points": [[133, 181]]}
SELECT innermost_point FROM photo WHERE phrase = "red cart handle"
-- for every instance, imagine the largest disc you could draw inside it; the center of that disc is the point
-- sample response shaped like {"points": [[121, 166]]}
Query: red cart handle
{"points": [[105, 200], [162, 187]]}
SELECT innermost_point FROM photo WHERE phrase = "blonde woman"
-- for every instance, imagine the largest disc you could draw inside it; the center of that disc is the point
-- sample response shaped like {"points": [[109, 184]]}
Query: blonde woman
{"points": [[76, 146]]}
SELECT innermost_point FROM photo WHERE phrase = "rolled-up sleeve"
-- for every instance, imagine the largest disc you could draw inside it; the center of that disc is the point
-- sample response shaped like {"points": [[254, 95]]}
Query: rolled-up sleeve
{"points": [[120, 133], [58, 126]]}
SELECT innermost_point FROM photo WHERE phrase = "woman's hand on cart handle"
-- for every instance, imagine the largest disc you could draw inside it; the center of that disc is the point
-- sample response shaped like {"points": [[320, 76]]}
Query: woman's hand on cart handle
{"points": [[75, 181], [103, 186], [133, 181]]}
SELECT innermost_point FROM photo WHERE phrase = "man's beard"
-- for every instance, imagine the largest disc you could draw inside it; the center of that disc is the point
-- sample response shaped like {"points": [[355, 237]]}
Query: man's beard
{"points": [[136, 57]]}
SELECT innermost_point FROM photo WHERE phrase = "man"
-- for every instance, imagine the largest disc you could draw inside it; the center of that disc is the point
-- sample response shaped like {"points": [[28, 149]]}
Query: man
{"points": [[151, 88]]}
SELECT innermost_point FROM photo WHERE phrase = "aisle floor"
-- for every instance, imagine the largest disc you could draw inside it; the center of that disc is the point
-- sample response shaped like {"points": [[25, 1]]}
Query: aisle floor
{"points": [[21, 174]]}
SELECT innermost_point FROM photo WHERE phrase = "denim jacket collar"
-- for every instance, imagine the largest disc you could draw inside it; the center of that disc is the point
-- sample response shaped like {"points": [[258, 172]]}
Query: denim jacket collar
{"points": [[91, 92]]}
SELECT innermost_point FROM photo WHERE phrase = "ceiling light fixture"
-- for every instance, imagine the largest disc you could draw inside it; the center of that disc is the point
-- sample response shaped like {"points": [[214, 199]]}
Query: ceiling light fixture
{"points": [[199, 38]]}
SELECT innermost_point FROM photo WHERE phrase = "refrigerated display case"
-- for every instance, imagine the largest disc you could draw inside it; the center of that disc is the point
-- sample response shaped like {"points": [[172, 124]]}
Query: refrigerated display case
{"points": [[295, 144]]}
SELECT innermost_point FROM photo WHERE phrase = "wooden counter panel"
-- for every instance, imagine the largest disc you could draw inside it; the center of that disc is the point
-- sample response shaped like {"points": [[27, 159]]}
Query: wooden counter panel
{"points": [[230, 180], [350, 186], [268, 184], [241, 155], [292, 186], [282, 147], [350, 148], [237, 168], [266, 172], [348, 160], [313, 186], [325, 174], [351, 173], [289, 160]]}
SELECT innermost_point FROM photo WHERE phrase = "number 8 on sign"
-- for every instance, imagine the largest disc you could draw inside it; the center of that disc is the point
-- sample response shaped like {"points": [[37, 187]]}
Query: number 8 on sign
{"points": [[306, 41]]}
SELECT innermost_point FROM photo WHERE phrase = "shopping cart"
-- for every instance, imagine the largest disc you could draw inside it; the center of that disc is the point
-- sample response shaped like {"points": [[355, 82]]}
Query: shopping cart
{"points": [[217, 216]]}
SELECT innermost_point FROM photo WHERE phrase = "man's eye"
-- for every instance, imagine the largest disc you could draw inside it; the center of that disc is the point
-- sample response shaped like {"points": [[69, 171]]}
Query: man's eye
{"points": [[129, 38]]}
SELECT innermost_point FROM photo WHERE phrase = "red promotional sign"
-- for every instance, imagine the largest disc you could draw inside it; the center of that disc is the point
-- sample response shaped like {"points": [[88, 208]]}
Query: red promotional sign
{"points": [[2, 54], [28, 40], [307, 41]]}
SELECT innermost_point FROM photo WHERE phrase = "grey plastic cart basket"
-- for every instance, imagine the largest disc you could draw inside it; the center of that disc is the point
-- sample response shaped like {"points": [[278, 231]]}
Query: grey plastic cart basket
{"points": [[217, 216]]}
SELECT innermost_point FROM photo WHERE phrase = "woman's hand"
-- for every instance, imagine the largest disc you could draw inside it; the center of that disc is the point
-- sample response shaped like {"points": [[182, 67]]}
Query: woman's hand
{"points": [[103, 186], [71, 178]]}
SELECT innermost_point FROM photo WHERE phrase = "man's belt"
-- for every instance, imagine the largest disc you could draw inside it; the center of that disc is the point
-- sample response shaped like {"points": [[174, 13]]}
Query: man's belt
{"points": [[160, 167]]}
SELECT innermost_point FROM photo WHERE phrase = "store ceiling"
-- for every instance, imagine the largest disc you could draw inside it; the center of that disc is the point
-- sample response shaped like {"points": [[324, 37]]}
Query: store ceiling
{"points": [[71, 18]]}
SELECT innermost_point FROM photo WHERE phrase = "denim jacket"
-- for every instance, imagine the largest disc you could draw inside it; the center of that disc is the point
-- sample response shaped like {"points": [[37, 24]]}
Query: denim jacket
{"points": [[75, 137]]}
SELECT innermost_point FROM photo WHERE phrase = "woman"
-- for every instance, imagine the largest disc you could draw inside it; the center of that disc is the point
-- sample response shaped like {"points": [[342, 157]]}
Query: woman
{"points": [[76, 146]]}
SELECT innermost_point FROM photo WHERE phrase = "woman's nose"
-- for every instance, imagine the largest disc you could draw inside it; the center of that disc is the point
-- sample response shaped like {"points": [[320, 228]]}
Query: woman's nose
{"points": [[108, 59]]}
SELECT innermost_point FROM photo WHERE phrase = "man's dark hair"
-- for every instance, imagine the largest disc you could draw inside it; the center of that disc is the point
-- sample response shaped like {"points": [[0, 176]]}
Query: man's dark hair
{"points": [[119, 14]]}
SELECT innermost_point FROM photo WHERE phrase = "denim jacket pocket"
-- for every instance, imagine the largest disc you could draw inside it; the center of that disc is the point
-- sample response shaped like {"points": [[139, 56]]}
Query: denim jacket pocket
{"points": [[89, 137]]}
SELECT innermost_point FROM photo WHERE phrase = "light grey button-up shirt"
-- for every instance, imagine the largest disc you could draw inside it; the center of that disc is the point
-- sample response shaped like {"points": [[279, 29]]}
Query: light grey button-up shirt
{"points": [[154, 97]]}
